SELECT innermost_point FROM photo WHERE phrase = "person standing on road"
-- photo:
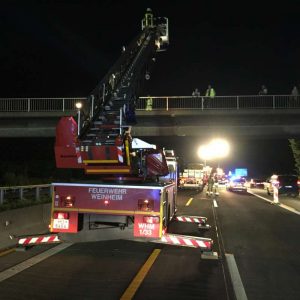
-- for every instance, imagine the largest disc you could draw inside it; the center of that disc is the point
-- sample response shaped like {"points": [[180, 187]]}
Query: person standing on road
{"points": [[210, 185]]}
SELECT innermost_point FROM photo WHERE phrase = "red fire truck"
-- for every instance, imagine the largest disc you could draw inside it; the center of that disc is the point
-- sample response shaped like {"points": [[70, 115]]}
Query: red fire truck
{"points": [[140, 209], [130, 184]]}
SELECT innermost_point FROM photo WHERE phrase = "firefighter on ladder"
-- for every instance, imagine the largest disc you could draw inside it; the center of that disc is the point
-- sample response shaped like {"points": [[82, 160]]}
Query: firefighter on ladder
{"points": [[149, 18], [149, 103]]}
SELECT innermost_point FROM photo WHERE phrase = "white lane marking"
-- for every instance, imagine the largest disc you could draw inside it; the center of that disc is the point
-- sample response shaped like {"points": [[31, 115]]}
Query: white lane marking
{"points": [[32, 261], [291, 209], [215, 203], [237, 283], [189, 202]]}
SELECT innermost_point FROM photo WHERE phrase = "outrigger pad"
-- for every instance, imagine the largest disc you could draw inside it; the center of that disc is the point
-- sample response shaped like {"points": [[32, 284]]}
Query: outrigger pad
{"points": [[209, 255], [191, 219], [205, 244], [36, 240], [206, 226]]}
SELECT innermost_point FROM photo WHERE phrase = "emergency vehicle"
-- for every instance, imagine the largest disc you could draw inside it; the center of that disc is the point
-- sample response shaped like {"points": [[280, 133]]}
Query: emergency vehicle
{"points": [[191, 179], [130, 186]]}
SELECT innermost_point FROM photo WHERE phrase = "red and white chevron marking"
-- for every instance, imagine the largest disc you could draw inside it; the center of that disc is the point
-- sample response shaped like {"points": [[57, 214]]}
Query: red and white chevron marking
{"points": [[191, 219], [188, 241], [120, 154], [39, 240]]}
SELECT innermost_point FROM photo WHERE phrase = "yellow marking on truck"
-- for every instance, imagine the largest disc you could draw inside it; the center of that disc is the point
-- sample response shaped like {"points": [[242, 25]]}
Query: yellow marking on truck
{"points": [[52, 208], [107, 170], [5, 252], [127, 152], [189, 202], [126, 212], [138, 279], [161, 214], [100, 161]]}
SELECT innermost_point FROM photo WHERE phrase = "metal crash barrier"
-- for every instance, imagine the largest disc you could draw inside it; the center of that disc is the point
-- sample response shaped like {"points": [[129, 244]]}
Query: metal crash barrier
{"points": [[21, 192]]}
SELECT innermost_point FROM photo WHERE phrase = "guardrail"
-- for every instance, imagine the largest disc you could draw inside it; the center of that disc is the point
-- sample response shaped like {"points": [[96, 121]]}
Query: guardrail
{"points": [[21, 192], [159, 103]]}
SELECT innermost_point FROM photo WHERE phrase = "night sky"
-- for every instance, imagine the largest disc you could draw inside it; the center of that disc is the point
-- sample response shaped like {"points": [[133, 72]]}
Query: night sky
{"points": [[64, 48]]}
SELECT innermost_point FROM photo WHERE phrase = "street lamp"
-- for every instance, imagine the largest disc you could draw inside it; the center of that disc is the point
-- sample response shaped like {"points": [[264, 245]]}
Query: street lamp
{"points": [[78, 106]]}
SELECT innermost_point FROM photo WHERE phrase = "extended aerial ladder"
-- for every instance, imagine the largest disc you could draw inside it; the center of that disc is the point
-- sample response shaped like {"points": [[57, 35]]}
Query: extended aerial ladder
{"points": [[103, 144], [100, 142]]}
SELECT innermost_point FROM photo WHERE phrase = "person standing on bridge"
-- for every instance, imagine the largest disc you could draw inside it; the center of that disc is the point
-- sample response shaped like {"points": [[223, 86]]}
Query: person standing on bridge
{"points": [[149, 103], [209, 94], [196, 93], [263, 90], [295, 93]]}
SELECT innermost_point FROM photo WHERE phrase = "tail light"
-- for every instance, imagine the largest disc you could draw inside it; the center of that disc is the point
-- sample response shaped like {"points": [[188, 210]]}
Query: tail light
{"points": [[298, 182], [61, 215], [151, 219], [145, 204], [68, 201]]}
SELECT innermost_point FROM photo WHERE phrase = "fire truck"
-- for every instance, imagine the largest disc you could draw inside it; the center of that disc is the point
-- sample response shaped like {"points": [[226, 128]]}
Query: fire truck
{"points": [[191, 179], [129, 186]]}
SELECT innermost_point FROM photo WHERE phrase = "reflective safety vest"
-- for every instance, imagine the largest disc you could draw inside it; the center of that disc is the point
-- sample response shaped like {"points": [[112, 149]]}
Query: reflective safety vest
{"points": [[149, 19], [210, 93], [149, 103]]}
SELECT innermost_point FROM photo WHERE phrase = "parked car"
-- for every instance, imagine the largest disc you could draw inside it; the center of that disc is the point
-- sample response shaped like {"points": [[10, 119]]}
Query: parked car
{"points": [[237, 185], [287, 185], [256, 183]]}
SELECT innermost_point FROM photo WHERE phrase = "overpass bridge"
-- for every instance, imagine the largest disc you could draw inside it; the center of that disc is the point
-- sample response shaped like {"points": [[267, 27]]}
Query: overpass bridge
{"points": [[269, 116]]}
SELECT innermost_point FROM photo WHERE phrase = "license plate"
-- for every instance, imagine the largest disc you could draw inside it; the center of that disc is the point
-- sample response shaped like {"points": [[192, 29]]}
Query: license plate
{"points": [[61, 223]]}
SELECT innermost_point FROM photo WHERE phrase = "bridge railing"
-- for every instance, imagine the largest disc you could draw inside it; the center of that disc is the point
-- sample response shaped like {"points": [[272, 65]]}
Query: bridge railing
{"points": [[221, 102], [39, 104], [159, 103]]}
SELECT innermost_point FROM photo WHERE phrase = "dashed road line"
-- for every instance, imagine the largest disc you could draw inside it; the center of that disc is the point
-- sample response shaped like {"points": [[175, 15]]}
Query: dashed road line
{"points": [[236, 280], [189, 202], [215, 203], [8, 251], [32, 261]]}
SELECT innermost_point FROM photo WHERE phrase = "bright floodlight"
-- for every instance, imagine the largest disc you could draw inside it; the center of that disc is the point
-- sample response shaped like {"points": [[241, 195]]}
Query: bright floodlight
{"points": [[204, 152], [78, 105], [219, 148]]}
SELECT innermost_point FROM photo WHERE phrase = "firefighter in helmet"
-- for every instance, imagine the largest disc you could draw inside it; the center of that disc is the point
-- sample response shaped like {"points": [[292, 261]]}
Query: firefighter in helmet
{"points": [[210, 184], [149, 18]]}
